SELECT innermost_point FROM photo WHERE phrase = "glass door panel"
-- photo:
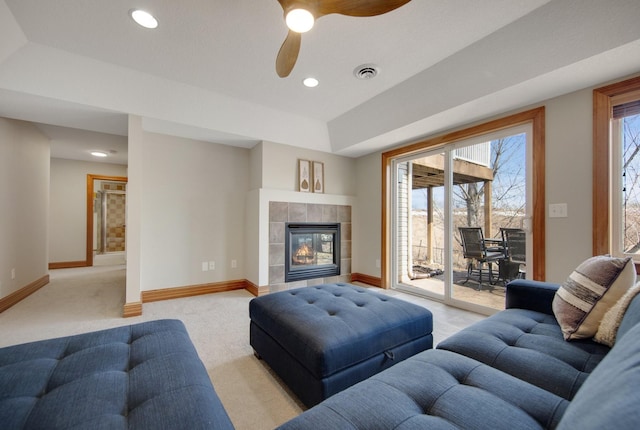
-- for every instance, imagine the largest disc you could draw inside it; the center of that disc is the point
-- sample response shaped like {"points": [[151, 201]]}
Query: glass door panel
{"points": [[109, 217], [420, 225], [489, 194], [115, 221]]}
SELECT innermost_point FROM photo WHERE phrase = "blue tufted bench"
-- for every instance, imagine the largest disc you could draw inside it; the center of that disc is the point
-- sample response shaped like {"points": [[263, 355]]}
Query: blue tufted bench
{"points": [[143, 376], [323, 339]]}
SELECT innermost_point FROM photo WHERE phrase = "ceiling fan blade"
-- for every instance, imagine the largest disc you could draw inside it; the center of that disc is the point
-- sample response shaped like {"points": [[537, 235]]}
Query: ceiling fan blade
{"points": [[356, 7], [344, 7], [288, 54]]}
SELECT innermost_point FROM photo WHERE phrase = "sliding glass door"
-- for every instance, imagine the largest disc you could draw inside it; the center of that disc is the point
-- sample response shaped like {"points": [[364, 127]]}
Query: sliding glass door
{"points": [[452, 208]]}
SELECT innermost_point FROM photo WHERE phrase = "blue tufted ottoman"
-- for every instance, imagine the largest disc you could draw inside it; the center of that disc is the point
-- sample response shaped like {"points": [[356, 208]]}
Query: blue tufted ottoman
{"points": [[323, 339]]}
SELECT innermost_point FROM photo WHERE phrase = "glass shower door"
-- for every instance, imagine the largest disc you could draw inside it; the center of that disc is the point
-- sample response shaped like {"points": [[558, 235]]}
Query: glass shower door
{"points": [[109, 221]]}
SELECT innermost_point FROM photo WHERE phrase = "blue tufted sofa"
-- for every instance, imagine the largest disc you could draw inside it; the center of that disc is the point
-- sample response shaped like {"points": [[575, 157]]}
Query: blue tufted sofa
{"points": [[511, 370], [143, 376]]}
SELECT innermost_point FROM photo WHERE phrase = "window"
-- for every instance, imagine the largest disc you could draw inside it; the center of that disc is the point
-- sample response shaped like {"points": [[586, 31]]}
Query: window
{"points": [[616, 169], [625, 137]]}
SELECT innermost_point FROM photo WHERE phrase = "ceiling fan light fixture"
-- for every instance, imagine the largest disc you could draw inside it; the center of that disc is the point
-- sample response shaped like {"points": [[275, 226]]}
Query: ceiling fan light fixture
{"points": [[299, 20], [310, 82], [143, 18]]}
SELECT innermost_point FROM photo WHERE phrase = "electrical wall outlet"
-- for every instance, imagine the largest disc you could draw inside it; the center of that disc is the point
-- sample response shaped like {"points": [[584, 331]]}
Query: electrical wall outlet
{"points": [[205, 266], [377, 263], [13, 273], [212, 265], [234, 264]]}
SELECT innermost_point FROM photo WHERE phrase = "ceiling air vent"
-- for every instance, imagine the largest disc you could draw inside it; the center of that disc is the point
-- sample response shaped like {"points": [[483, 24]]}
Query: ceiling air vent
{"points": [[366, 71]]}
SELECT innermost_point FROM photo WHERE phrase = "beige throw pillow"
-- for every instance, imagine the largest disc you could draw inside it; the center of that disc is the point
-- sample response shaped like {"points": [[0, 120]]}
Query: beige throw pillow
{"points": [[611, 320], [590, 291]]}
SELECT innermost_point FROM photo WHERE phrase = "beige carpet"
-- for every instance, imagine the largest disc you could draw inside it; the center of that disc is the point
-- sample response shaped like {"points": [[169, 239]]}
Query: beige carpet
{"points": [[82, 300]]}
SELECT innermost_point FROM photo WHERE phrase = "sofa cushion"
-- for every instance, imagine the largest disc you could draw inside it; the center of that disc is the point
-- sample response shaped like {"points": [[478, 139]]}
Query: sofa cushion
{"points": [[589, 292], [144, 376], [529, 345], [610, 397], [608, 329], [436, 389]]}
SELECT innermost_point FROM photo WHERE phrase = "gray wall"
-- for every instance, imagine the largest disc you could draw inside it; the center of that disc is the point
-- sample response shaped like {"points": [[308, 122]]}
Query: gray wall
{"points": [[192, 210], [24, 204], [68, 206]]}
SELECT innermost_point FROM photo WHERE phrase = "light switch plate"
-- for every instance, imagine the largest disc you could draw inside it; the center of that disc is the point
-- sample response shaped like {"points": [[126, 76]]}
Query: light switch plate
{"points": [[558, 210]]}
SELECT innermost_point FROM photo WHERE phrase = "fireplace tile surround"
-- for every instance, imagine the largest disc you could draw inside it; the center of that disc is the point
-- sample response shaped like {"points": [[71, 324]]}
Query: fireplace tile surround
{"points": [[283, 212]]}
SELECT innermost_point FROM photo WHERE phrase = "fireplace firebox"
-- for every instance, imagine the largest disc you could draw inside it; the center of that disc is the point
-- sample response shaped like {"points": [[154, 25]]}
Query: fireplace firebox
{"points": [[312, 250]]}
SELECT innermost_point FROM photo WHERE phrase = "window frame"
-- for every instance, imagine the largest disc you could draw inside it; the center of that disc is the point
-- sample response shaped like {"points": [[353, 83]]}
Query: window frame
{"points": [[604, 98], [536, 117]]}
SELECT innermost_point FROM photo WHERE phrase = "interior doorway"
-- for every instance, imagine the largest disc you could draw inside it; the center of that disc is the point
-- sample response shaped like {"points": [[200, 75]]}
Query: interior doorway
{"points": [[106, 220]]}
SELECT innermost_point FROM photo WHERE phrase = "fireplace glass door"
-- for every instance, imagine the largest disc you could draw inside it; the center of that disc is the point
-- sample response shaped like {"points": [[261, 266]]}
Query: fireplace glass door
{"points": [[312, 250]]}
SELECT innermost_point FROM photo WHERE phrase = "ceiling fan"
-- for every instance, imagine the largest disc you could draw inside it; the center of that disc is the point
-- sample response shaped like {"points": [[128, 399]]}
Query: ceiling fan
{"points": [[301, 14]]}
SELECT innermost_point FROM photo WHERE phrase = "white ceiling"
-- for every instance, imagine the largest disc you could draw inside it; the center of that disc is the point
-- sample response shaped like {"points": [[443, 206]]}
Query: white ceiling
{"points": [[208, 71]]}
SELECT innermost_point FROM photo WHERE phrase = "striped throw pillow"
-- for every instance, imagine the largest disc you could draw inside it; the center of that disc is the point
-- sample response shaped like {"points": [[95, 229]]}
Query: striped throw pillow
{"points": [[590, 291]]}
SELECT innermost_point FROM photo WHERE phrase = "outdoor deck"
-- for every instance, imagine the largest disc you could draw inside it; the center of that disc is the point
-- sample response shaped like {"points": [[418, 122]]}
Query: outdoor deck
{"points": [[492, 296]]}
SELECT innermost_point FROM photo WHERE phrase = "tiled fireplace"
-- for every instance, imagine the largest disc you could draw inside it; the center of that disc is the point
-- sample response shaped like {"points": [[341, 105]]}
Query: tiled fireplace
{"points": [[326, 256]]}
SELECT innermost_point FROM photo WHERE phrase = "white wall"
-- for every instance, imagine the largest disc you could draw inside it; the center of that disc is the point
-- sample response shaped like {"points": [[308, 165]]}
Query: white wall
{"points": [[255, 167], [193, 201], [134, 208], [367, 215], [24, 204], [569, 146], [254, 234], [192, 209], [68, 206], [279, 169]]}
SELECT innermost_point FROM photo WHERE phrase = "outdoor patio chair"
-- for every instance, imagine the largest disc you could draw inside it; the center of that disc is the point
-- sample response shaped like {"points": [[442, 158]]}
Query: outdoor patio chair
{"points": [[516, 252], [475, 249]]}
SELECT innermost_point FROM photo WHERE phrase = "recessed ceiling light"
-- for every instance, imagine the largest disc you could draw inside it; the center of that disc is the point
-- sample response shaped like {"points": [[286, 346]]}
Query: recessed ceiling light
{"points": [[310, 82], [143, 18], [98, 154], [299, 20]]}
